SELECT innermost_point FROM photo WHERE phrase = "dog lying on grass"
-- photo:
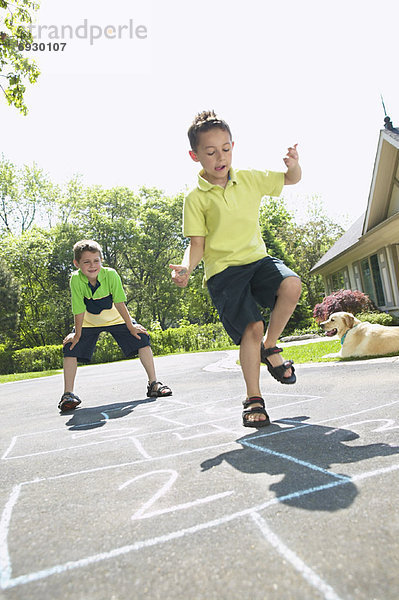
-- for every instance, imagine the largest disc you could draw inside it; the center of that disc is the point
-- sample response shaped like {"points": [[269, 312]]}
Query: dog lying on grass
{"points": [[360, 338]]}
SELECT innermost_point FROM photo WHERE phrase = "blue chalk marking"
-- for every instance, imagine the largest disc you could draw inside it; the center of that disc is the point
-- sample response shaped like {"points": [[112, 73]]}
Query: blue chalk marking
{"points": [[298, 461]]}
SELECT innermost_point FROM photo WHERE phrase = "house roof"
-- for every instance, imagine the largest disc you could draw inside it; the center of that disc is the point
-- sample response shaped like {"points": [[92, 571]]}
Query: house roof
{"points": [[376, 210], [346, 241]]}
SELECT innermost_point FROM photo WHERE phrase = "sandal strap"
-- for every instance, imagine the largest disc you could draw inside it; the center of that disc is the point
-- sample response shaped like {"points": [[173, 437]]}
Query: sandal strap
{"points": [[270, 351], [162, 388], [69, 395], [253, 400], [152, 385]]}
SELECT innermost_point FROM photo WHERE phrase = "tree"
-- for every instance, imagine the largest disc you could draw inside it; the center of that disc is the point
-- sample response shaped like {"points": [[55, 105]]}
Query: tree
{"points": [[27, 197], [309, 242], [14, 36], [45, 308], [9, 302], [13, 40], [302, 244]]}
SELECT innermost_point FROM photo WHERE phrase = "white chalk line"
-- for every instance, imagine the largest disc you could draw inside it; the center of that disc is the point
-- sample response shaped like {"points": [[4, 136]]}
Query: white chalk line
{"points": [[306, 572], [253, 437], [129, 430], [8, 582], [140, 448]]}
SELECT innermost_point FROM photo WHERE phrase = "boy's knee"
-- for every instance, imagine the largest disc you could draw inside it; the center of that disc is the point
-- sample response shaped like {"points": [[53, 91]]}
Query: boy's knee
{"points": [[255, 329], [292, 286]]}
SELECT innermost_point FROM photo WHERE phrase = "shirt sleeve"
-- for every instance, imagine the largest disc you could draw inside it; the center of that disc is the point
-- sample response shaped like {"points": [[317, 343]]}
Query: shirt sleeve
{"points": [[193, 217], [269, 183], [78, 305], [115, 287]]}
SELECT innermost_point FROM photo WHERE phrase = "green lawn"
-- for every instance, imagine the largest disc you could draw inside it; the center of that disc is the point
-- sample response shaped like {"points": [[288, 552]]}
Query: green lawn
{"points": [[33, 375], [312, 352]]}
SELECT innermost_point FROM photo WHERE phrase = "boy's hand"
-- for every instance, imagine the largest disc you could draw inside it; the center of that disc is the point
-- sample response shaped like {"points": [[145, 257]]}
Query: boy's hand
{"points": [[294, 171], [71, 337], [180, 275], [291, 159], [136, 328]]}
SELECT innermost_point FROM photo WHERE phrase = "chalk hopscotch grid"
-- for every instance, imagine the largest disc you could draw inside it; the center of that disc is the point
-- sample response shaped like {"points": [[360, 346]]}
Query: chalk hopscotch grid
{"points": [[162, 410], [7, 581]]}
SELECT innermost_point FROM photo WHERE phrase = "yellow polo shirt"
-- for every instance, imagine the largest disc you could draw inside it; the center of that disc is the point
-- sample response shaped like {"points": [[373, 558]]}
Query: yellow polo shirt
{"points": [[228, 217]]}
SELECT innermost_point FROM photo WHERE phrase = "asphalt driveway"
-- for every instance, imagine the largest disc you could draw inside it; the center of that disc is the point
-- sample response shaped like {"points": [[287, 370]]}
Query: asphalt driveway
{"points": [[130, 497]]}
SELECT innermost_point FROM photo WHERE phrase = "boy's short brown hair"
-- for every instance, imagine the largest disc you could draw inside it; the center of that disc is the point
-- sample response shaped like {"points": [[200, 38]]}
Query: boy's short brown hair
{"points": [[86, 245], [205, 121]]}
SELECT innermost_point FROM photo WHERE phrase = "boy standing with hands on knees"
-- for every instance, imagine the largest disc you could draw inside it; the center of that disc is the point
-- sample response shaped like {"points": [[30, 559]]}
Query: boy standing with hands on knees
{"points": [[98, 304], [221, 218]]}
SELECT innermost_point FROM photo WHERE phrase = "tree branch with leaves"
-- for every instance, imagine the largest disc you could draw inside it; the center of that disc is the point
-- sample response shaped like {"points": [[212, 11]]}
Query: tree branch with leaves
{"points": [[15, 68]]}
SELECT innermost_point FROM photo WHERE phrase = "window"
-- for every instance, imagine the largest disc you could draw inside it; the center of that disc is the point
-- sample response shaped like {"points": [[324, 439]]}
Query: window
{"points": [[339, 281], [372, 283]]}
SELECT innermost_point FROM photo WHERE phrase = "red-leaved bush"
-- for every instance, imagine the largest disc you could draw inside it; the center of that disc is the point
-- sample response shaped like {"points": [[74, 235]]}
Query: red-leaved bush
{"points": [[342, 300]]}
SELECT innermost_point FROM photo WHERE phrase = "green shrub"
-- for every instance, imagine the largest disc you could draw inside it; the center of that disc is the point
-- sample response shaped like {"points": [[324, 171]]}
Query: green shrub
{"points": [[380, 318], [188, 338], [107, 350], [41, 358], [6, 361]]}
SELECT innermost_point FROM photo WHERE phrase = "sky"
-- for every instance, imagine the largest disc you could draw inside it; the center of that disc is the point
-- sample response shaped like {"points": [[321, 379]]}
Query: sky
{"points": [[114, 106]]}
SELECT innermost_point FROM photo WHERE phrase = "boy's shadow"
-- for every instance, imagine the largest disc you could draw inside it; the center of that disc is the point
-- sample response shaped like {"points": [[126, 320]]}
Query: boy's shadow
{"points": [[97, 416], [302, 454]]}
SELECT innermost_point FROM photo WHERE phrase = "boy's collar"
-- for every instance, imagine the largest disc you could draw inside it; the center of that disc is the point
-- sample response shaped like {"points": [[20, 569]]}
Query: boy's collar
{"points": [[205, 185]]}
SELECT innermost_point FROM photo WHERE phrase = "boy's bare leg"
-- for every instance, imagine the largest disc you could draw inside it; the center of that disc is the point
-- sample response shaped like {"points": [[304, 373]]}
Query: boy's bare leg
{"points": [[250, 363], [70, 368], [287, 298], [147, 360]]}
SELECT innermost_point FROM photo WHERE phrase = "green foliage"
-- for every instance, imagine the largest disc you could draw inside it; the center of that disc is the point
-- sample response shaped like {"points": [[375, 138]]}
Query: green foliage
{"points": [[6, 360], [300, 246], [26, 198], [41, 358], [45, 307], [189, 338], [9, 302], [379, 318], [15, 68], [141, 235]]}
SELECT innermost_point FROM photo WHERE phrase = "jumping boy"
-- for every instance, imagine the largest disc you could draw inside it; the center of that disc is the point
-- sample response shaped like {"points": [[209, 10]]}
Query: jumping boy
{"points": [[221, 218], [98, 304]]}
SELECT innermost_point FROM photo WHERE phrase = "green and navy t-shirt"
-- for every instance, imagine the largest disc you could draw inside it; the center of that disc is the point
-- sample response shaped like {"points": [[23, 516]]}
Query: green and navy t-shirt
{"points": [[97, 302]]}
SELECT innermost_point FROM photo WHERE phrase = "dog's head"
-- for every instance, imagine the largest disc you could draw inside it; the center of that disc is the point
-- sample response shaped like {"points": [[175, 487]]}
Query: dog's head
{"points": [[339, 323]]}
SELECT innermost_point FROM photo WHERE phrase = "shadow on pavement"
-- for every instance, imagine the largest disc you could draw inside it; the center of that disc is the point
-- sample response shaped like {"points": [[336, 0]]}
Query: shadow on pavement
{"points": [[97, 416], [308, 457]]}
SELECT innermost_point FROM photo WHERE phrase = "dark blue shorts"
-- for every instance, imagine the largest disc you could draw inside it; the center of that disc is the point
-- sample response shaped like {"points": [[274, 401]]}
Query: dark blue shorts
{"points": [[237, 291], [127, 342]]}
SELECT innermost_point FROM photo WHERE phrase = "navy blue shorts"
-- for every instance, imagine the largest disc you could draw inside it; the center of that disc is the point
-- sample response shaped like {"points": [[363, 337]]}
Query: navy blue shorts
{"points": [[237, 291], [127, 342]]}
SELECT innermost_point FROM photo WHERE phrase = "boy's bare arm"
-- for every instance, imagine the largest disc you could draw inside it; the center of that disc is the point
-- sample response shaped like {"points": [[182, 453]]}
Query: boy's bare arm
{"points": [[294, 172], [75, 336], [192, 257], [134, 328]]}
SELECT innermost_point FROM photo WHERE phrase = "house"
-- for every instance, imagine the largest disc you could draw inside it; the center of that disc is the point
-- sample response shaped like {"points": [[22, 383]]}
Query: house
{"points": [[366, 257]]}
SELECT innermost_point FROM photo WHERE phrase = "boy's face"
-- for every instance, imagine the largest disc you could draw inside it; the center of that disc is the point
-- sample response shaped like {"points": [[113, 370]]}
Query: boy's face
{"points": [[89, 264], [214, 152]]}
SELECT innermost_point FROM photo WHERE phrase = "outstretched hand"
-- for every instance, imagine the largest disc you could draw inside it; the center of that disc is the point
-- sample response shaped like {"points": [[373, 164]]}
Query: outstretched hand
{"points": [[180, 275], [292, 157]]}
